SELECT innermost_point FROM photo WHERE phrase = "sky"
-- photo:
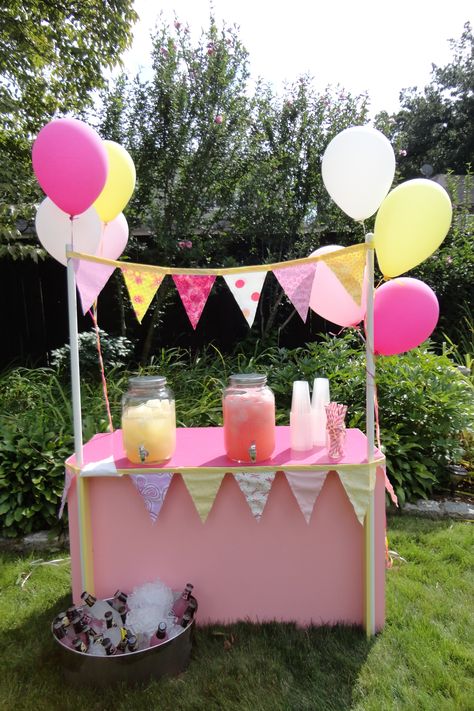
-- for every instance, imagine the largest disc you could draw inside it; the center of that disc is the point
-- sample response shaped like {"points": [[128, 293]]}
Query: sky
{"points": [[361, 45]]}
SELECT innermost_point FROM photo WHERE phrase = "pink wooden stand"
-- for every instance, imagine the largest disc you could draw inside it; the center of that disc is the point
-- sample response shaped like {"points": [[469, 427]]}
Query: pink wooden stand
{"points": [[277, 568]]}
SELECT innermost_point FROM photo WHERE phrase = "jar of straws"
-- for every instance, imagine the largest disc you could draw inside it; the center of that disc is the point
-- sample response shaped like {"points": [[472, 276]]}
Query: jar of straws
{"points": [[336, 430]]}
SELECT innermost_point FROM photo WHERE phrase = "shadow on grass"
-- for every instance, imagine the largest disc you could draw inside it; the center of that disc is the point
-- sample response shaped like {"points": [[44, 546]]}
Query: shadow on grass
{"points": [[242, 666]]}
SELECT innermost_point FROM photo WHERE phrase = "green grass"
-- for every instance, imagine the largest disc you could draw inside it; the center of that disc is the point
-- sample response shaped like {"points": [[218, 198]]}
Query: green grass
{"points": [[423, 659]]}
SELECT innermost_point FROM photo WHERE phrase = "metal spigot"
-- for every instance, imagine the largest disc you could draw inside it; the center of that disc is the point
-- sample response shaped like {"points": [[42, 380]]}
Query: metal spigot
{"points": [[253, 452], [142, 452]]}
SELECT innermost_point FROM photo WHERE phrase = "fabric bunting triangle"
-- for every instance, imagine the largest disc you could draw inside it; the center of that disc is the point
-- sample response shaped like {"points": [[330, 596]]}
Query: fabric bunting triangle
{"points": [[359, 484], [246, 289], [255, 487], [297, 282], [142, 285], [90, 280], [153, 489], [348, 266], [194, 292], [203, 488], [306, 487], [68, 479]]}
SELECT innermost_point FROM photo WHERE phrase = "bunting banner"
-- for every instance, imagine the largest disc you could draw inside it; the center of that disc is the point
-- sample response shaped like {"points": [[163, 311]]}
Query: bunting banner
{"points": [[245, 283], [306, 487], [153, 489], [246, 289], [358, 481], [255, 487], [203, 489], [349, 267], [142, 285], [194, 292], [359, 484], [297, 283]]}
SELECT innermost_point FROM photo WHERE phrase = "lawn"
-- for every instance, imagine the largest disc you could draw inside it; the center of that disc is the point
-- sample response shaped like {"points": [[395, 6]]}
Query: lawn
{"points": [[423, 659]]}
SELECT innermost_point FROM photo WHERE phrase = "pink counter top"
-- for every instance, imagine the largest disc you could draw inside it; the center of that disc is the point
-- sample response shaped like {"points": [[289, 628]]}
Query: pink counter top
{"points": [[203, 447]]}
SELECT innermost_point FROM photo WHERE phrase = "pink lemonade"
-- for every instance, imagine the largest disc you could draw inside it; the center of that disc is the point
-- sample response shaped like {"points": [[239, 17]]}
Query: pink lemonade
{"points": [[249, 419]]}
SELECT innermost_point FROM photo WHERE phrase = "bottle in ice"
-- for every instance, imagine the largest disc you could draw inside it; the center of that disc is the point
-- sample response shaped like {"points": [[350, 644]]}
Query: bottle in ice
{"points": [[181, 604], [108, 646], [192, 606], [113, 632], [132, 643], [60, 632], [79, 645], [98, 608], [120, 600], [186, 618], [160, 635]]}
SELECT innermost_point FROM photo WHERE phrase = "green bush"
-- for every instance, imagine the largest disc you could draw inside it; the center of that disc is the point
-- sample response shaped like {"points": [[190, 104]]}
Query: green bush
{"points": [[425, 406], [116, 352]]}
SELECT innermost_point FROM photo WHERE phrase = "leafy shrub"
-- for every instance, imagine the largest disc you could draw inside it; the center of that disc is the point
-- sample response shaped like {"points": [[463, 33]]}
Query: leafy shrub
{"points": [[116, 352], [425, 404]]}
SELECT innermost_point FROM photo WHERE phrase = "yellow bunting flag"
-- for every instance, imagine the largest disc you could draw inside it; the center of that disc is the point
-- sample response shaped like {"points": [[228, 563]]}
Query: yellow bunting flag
{"points": [[142, 285], [203, 488], [348, 266], [359, 483]]}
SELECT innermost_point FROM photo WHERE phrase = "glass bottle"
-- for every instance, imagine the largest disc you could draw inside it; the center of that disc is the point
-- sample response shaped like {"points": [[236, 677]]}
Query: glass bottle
{"points": [[113, 632], [132, 643], [61, 634], [97, 609], [148, 420], [160, 635], [249, 418], [108, 646], [181, 604]]}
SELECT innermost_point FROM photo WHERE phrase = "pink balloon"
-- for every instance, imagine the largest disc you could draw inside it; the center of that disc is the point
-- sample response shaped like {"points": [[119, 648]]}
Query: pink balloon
{"points": [[406, 312], [330, 299], [91, 277], [70, 163]]}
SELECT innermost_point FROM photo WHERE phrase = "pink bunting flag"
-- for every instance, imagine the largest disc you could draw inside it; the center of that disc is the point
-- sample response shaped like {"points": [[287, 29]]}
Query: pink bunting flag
{"points": [[194, 292], [68, 479], [246, 289], [297, 283], [306, 487], [91, 277]]}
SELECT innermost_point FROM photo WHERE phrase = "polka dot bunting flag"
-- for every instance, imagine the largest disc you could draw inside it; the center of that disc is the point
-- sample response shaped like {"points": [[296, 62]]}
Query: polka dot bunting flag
{"points": [[246, 289]]}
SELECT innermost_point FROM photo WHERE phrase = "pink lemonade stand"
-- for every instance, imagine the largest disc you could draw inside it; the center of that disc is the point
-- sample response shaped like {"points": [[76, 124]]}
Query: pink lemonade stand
{"points": [[275, 566], [295, 538]]}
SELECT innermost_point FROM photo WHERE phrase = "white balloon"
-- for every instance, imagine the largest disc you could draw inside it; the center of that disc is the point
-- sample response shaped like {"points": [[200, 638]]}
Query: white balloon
{"points": [[358, 168], [55, 230]]}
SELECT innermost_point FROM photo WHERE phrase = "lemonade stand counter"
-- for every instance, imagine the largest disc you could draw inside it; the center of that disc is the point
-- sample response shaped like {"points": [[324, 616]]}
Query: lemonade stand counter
{"points": [[279, 540]]}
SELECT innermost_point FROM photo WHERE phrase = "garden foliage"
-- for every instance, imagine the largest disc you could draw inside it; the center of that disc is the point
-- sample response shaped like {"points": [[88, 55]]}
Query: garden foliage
{"points": [[425, 405]]}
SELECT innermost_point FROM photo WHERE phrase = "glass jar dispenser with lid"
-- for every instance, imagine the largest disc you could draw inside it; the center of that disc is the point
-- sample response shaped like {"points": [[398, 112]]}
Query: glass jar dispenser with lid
{"points": [[249, 418], [148, 420]]}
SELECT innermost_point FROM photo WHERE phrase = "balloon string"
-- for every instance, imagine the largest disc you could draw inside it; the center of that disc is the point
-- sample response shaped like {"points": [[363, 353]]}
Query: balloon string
{"points": [[93, 315], [388, 483]]}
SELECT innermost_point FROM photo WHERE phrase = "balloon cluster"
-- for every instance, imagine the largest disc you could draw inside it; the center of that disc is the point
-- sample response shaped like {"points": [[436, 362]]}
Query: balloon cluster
{"points": [[412, 220], [88, 182]]}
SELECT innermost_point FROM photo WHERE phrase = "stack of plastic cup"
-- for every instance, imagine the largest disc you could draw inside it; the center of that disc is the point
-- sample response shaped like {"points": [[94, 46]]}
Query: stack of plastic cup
{"points": [[318, 406], [301, 420]]}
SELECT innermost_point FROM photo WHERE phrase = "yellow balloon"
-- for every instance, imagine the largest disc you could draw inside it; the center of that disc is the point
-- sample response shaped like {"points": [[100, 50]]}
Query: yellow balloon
{"points": [[119, 185], [411, 223]]}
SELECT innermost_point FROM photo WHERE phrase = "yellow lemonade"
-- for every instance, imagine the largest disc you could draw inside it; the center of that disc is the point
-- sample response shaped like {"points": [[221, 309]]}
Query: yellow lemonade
{"points": [[149, 431]]}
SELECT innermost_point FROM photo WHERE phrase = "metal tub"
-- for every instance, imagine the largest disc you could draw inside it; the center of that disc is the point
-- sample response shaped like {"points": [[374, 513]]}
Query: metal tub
{"points": [[167, 659]]}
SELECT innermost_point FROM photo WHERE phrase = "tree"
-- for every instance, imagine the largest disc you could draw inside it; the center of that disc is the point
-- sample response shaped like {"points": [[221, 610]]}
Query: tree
{"points": [[52, 56], [236, 174], [435, 127]]}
